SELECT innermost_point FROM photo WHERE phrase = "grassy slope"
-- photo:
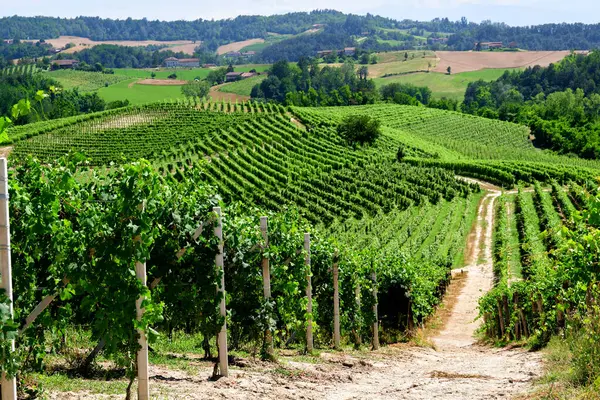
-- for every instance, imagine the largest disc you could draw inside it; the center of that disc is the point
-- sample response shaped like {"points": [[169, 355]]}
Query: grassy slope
{"points": [[182, 73], [139, 94], [443, 85], [243, 87], [84, 81]]}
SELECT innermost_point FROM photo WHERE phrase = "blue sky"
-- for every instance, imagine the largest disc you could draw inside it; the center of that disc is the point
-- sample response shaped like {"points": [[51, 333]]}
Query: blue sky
{"points": [[514, 12]]}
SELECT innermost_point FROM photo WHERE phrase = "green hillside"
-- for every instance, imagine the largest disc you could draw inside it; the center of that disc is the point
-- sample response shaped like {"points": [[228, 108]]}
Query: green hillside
{"points": [[444, 85]]}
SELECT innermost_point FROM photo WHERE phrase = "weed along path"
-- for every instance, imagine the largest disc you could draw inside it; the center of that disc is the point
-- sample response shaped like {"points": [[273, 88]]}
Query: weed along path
{"points": [[454, 367]]}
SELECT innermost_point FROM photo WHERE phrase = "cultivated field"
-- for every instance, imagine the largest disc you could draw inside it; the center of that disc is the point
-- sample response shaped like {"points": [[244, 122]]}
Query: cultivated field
{"points": [[463, 61], [443, 85], [81, 43], [243, 87], [84, 81], [237, 46], [161, 82], [400, 226]]}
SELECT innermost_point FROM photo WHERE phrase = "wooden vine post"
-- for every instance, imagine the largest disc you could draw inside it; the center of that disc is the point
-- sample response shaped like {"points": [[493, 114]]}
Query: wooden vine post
{"points": [[376, 323], [9, 385], [142, 355], [309, 327], [357, 289], [336, 302], [222, 336], [266, 273]]}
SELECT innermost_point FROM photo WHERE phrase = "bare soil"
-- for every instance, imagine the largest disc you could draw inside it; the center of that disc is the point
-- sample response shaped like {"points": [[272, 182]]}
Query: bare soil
{"points": [[82, 43], [237, 46], [161, 82], [456, 366], [464, 61]]}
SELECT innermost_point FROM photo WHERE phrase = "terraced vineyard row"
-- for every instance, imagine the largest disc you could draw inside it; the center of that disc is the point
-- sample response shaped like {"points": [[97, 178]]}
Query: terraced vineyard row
{"points": [[528, 305], [490, 150], [436, 125], [274, 163]]}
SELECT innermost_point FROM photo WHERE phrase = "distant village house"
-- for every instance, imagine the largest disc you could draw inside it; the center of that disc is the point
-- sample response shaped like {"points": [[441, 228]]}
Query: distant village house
{"points": [[64, 64], [233, 76], [238, 76], [442, 40], [350, 51], [325, 53], [488, 45], [237, 54], [173, 62]]}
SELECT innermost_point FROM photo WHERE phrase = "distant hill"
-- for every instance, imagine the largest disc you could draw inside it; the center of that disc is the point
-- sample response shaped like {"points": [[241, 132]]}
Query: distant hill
{"points": [[329, 31]]}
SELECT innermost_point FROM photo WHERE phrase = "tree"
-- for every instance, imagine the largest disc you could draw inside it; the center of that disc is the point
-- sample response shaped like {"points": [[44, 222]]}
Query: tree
{"points": [[449, 69], [359, 129], [195, 89], [153, 75], [230, 68], [406, 56], [363, 73], [172, 76], [364, 59]]}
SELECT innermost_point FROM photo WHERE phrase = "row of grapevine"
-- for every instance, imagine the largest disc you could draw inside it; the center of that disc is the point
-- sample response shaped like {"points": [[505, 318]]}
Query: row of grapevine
{"points": [[537, 305], [112, 220], [26, 69]]}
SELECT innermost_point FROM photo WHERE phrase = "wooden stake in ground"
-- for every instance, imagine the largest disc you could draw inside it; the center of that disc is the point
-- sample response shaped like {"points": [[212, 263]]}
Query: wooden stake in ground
{"points": [[376, 323], [266, 273], [9, 385], [222, 337], [142, 355], [336, 302], [358, 307], [309, 332]]}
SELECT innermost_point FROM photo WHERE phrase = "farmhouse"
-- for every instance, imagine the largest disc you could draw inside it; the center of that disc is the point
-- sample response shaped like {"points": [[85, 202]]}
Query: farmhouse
{"points": [[249, 54], [324, 53], [233, 54], [246, 75], [209, 65], [233, 76], [173, 62], [350, 51], [65, 64], [442, 40], [489, 45]]}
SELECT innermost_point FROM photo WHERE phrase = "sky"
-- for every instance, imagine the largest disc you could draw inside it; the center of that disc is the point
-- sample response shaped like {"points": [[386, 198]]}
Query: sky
{"points": [[513, 12]]}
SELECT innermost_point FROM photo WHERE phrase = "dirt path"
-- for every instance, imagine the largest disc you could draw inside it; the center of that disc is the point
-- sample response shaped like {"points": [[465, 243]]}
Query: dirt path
{"points": [[458, 367]]}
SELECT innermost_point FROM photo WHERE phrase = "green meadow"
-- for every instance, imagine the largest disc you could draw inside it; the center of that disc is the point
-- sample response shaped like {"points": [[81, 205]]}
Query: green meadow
{"points": [[186, 74], [139, 94], [443, 85], [244, 87]]}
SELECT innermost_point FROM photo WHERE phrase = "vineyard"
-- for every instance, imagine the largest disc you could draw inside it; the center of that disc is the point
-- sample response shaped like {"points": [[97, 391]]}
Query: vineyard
{"points": [[85, 81], [386, 222], [19, 69]]}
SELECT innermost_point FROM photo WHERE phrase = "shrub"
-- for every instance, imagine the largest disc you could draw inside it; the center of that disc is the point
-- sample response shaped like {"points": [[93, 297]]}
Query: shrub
{"points": [[360, 129]]}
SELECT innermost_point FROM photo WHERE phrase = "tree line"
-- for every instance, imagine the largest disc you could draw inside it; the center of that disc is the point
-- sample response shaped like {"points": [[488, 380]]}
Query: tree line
{"points": [[47, 98], [306, 83]]}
